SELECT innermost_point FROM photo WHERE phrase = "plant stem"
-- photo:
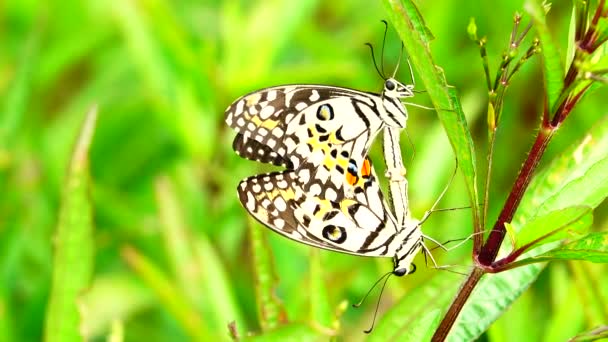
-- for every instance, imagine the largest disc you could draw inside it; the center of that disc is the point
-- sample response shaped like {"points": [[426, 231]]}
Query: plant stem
{"points": [[490, 249], [450, 317]]}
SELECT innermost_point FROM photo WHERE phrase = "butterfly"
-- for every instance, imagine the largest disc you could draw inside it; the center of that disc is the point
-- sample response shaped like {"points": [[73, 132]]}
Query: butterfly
{"points": [[328, 196]]}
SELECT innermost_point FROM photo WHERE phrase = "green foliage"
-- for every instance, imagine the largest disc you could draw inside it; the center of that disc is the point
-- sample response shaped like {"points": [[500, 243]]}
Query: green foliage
{"points": [[128, 226]]}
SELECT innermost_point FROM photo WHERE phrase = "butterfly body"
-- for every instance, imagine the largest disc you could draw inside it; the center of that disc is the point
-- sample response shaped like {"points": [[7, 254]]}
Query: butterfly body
{"points": [[329, 195]]}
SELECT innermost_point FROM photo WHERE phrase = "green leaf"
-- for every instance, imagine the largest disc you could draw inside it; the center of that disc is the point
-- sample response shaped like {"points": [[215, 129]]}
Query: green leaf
{"points": [[554, 71], [416, 311], [74, 247], [416, 37], [592, 247], [554, 226], [271, 312], [492, 296], [589, 189]]}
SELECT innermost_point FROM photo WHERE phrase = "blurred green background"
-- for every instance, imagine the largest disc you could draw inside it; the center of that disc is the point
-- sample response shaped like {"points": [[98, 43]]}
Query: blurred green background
{"points": [[164, 176]]}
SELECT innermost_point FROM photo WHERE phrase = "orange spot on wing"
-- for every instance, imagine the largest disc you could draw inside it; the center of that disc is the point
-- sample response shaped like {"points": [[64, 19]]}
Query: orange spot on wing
{"points": [[351, 179], [366, 170]]}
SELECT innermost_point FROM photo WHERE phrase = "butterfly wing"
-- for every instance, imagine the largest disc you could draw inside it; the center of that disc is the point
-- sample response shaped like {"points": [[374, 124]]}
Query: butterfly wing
{"points": [[324, 130], [360, 225]]}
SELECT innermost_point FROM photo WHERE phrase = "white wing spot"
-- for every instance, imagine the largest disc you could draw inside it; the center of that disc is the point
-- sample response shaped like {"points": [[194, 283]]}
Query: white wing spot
{"points": [[304, 175], [256, 188], [263, 131], [251, 126], [271, 95], [330, 194], [271, 143], [301, 105], [268, 186], [266, 112], [315, 96], [239, 107], [277, 132], [240, 122], [315, 190], [279, 223], [250, 202], [282, 184], [280, 204]]}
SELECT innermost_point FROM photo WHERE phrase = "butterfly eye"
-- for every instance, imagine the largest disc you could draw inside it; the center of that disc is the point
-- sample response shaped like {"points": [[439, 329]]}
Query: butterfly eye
{"points": [[389, 85]]}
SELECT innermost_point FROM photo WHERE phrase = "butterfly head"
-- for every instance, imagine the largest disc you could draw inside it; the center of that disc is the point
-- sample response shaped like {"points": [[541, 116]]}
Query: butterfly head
{"points": [[394, 112], [396, 89], [407, 251]]}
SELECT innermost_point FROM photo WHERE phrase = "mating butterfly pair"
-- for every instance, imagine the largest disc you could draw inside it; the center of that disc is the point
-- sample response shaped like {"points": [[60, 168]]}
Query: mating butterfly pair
{"points": [[328, 196]]}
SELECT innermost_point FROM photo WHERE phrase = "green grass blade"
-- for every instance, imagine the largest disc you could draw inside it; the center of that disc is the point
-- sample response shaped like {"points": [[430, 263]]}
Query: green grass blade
{"points": [[320, 308], [173, 300], [552, 65], [74, 254], [415, 36], [114, 296]]}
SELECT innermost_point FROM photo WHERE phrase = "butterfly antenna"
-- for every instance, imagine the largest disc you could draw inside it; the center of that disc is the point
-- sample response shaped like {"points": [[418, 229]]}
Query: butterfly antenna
{"points": [[374, 60], [371, 289], [398, 61], [383, 43], [377, 305]]}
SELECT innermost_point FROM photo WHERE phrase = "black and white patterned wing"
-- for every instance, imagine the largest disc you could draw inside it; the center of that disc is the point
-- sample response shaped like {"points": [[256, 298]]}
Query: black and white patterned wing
{"points": [[361, 225], [326, 130]]}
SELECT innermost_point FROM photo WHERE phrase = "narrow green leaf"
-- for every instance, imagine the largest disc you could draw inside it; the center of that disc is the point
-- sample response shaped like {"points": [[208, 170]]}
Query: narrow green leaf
{"points": [[271, 312], [554, 71], [559, 223], [74, 253], [416, 38]]}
